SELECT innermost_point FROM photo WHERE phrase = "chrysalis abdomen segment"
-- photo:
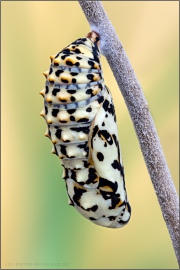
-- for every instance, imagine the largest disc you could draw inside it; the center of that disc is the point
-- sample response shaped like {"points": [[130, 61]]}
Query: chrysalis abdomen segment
{"points": [[80, 116]]}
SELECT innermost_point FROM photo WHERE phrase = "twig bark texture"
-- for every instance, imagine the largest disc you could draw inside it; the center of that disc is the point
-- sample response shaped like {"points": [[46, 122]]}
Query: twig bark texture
{"points": [[137, 105]]}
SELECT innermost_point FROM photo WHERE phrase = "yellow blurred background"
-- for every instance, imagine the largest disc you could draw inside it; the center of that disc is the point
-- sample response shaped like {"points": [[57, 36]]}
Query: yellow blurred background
{"points": [[39, 229]]}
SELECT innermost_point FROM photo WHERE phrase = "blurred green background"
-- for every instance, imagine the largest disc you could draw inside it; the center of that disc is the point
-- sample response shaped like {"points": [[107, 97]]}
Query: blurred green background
{"points": [[39, 229]]}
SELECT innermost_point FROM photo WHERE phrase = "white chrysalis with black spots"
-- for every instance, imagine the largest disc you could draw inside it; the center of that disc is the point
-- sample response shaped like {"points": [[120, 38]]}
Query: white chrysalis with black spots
{"points": [[81, 123]]}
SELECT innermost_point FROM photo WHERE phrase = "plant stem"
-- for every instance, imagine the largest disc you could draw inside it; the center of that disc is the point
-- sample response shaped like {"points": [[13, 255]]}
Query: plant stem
{"points": [[137, 105]]}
